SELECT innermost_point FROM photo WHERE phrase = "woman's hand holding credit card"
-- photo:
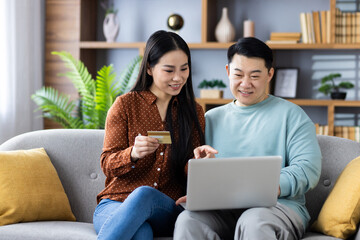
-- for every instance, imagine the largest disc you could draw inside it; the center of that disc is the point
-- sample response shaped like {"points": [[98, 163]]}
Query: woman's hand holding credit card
{"points": [[164, 137]]}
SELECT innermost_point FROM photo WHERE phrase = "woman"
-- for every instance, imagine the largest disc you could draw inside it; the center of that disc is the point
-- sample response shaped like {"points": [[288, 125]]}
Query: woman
{"points": [[144, 177]]}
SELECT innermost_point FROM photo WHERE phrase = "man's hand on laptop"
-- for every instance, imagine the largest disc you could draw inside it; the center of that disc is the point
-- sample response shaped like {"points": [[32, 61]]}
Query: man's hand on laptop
{"points": [[205, 151], [181, 200]]}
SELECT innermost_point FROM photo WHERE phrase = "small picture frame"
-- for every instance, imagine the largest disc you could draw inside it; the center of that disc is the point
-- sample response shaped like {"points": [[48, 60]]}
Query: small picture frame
{"points": [[286, 82]]}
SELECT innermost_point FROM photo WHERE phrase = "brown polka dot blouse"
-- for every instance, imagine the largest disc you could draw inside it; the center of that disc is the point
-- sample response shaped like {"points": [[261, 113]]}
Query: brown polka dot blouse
{"points": [[132, 114]]}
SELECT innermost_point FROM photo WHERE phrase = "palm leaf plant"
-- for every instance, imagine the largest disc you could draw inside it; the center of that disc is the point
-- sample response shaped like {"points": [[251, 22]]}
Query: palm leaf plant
{"points": [[95, 97]]}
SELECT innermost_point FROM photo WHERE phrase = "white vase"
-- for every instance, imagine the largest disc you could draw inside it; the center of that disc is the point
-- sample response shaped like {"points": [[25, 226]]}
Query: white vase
{"points": [[224, 31], [110, 27]]}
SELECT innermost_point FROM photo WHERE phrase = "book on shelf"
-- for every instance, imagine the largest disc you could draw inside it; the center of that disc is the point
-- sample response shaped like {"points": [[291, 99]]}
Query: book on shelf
{"points": [[323, 27], [353, 28], [338, 26], [281, 41], [316, 22], [328, 27], [349, 132], [284, 38], [303, 25], [284, 35], [322, 129], [315, 26], [310, 27], [357, 27], [347, 27]]}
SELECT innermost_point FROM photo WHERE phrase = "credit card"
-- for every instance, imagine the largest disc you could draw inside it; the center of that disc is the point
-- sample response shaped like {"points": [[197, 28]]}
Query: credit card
{"points": [[163, 136]]}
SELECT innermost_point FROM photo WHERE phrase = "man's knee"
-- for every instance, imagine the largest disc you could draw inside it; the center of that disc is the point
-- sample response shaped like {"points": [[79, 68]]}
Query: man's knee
{"points": [[194, 225], [186, 220], [252, 217], [260, 223]]}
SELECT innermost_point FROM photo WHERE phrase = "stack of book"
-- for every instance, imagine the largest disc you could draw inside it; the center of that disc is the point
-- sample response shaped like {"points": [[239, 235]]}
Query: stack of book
{"points": [[315, 26], [284, 37], [349, 132], [347, 27]]}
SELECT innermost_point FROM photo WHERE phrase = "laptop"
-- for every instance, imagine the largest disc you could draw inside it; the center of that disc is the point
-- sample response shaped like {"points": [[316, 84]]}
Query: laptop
{"points": [[231, 183]]}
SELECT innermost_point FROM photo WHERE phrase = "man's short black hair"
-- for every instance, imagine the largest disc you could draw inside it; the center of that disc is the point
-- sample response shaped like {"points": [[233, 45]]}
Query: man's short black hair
{"points": [[251, 47]]}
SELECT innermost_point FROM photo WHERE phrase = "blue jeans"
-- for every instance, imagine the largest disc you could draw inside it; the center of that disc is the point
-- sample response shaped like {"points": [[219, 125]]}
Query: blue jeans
{"points": [[145, 212]]}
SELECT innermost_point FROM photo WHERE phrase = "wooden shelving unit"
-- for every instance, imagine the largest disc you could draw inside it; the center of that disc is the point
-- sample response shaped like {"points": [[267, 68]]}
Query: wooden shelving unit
{"points": [[216, 45], [70, 27], [329, 104]]}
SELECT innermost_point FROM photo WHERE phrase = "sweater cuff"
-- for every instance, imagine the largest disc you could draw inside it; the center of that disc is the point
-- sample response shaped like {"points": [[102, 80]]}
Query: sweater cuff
{"points": [[285, 186]]}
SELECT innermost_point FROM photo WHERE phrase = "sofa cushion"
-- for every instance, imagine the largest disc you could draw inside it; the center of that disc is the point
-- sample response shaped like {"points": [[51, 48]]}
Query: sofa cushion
{"points": [[54, 230], [30, 189], [340, 213]]}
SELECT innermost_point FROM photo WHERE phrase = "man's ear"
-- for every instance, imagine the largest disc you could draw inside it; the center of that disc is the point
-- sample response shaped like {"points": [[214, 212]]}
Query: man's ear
{"points": [[227, 69], [148, 69], [271, 74]]}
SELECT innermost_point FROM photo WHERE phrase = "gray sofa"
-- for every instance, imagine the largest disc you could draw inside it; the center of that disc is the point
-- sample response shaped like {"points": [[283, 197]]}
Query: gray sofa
{"points": [[75, 155]]}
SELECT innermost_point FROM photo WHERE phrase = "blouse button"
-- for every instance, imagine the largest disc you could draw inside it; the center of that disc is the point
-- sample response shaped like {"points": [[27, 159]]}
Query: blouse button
{"points": [[158, 169], [161, 153], [155, 184]]}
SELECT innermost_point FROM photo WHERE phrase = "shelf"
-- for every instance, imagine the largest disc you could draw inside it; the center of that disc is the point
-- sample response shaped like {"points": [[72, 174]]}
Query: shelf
{"points": [[316, 102], [107, 45], [316, 46], [114, 45], [300, 102], [330, 104], [215, 45]]}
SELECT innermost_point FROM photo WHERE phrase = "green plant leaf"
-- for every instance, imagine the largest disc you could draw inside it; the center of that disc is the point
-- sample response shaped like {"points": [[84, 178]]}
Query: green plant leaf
{"points": [[325, 88], [104, 95], [212, 83], [57, 107], [346, 85], [128, 76], [96, 97], [83, 82]]}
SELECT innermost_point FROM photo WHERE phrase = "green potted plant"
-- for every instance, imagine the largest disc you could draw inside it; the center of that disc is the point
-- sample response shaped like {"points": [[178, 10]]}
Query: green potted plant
{"points": [[95, 96], [208, 91], [332, 88]]}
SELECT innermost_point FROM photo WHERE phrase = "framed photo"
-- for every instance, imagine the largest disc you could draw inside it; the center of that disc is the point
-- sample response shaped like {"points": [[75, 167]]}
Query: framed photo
{"points": [[286, 82]]}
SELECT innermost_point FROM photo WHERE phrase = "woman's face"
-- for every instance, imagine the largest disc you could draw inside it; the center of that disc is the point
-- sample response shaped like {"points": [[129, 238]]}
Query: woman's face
{"points": [[169, 74]]}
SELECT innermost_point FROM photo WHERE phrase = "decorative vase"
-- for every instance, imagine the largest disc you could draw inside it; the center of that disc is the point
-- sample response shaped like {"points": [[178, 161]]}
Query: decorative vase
{"points": [[224, 31], [110, 27], [249, 29]]}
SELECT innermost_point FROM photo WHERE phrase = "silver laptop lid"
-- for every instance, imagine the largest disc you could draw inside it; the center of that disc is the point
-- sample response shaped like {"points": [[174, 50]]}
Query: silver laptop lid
{"points": [[228, 183]]}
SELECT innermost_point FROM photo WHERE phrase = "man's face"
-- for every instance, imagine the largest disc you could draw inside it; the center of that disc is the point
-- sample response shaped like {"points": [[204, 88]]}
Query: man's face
{"points": [[249, 79]]}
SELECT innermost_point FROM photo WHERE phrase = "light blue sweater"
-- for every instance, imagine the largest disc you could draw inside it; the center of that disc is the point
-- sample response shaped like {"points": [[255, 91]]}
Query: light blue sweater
{"points": [[272, 127]]}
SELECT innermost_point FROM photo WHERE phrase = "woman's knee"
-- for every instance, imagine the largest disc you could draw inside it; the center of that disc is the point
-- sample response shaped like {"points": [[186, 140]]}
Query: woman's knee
{"points": [[145, 192]]}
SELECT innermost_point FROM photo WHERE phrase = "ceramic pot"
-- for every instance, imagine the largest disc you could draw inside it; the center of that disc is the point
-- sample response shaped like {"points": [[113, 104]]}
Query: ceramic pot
{"points": [[224, 31], [338, 95], [110, 27], [211, 93]]}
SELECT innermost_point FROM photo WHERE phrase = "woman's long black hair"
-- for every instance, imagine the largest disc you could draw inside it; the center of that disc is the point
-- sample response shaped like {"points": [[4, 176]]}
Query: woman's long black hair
{"points": [[159, 44]]}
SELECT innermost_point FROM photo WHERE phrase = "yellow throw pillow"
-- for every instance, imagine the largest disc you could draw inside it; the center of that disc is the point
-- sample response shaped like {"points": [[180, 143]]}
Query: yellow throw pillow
{"points": [[340, 213], [30, 188]]}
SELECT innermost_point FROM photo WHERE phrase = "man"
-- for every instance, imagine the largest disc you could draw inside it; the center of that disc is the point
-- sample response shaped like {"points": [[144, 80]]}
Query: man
{"points": [[257, 124]]}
